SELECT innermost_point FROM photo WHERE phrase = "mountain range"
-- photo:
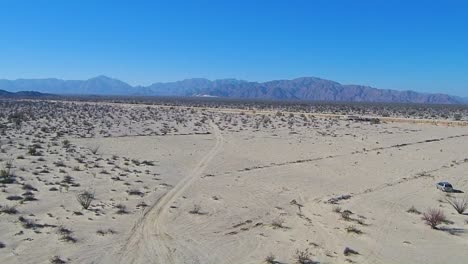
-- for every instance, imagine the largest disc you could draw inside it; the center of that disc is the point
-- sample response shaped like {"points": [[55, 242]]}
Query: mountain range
{"points": [[23, 94], [305, 88]]}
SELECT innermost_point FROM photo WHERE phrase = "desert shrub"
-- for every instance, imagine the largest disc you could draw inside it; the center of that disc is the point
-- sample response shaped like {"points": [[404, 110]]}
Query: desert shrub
{"points": [[121, 209], [460, 205], [8, 210], [33, 151], [66, 234], [196, 209], [303, 257], [6, 176], [14, 198], [66, 143], [103, 232], [135, 192], [413, 210], [278, 222], [57, 260], [29, 187], [348, 251], [353, 229], [28, 223], [271, 259], [95, 149], [346, 215], [85, 198], [434, 217], [59, 163]]}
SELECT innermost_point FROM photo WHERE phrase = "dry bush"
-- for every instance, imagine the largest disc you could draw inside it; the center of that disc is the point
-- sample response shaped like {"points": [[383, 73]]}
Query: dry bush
{"points": [[66, 234], [6, 176], [85, 198], [434, 217], [57, 260], [460, 205], [8, 209], [271, 259], [196, 209], [121, 209], [346, 215], [303, 257], [353, 229], [95, 149], [348, 251], [413, 210], [278, 222], [103, 232]]}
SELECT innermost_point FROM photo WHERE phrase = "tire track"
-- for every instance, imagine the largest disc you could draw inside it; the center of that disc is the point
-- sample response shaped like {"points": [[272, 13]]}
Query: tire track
{"points": [[272, 165], [149, 241]]}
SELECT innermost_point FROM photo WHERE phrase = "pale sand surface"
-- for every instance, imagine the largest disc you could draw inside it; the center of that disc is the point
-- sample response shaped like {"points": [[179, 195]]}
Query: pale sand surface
{"points": [[244, 179]]}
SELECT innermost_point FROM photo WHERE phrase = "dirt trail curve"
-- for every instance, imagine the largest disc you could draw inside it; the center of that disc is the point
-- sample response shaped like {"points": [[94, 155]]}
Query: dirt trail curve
{"points": [[148, 241]]}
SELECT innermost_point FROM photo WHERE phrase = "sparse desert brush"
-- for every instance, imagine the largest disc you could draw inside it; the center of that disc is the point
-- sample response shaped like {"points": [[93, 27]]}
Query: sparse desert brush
{"points": [[303, 257], [57, 260], [434, 217], [104, 232], [348, 251], [66, 234], [270, 259], [28, 223], [142, 204], [460, 205], [29, 187], [278, 222], [337, 209], [85, 198], [353, 229], [8, 209], [6, 176], [135, 192], [94, 150], [196, 209], [66, 143], [346, 215], [121, 209], [413, 210]]}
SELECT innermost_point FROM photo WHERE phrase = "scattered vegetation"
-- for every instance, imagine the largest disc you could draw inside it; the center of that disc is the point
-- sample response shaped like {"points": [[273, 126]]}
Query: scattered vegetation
{"points": [[348, 251], [196, 209], [303, 257], [353, 229], [434, 217], [85, 198], [413, 210], [460, 205], [270, 259]]}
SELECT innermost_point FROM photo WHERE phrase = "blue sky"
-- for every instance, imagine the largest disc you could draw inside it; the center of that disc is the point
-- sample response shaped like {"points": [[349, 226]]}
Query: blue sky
{"points": [[417, 45]]}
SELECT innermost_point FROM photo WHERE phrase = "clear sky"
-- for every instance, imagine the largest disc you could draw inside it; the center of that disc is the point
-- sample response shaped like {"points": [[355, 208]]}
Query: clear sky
{"points": [[417, 45]]}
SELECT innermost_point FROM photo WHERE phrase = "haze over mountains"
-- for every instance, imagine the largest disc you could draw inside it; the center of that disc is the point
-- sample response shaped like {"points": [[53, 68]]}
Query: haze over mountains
{"points": [[306, 88]]}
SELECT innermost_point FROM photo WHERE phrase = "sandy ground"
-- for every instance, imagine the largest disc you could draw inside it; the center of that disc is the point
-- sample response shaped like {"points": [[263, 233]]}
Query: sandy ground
{"points": [[228, 188]]}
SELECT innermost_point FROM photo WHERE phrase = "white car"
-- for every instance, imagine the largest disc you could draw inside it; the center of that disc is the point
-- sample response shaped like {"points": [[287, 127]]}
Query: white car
{"points": [[445, 186]]}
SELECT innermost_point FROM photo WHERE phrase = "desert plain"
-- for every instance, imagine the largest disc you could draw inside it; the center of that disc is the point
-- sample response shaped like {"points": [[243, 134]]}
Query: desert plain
{"points": [[99, 182]]}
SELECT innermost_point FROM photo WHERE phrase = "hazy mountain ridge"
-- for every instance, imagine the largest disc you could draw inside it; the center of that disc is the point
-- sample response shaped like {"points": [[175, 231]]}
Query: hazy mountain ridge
{"points": [[306, 88], [7, 94]]}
